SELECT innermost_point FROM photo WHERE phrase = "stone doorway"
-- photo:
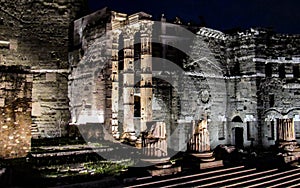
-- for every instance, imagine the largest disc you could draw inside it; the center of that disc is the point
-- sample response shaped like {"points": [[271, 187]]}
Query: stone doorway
{"points": [[237, 132], [239, 137]]}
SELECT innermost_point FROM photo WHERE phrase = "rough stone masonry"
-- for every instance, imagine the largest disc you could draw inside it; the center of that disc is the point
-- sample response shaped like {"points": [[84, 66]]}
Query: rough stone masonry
{"points": [[34, 45], [247, 81]]}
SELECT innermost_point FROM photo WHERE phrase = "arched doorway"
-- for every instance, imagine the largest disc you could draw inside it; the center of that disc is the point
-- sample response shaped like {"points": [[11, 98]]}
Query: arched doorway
{"points": [[237, 132]]}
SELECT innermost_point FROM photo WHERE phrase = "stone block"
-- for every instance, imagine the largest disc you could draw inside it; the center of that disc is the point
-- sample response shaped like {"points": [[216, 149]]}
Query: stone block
{"points": [[165, 171], [288, 159], [50, 77], [13, 44], [36, 109], [2, 102], [212, 164]]}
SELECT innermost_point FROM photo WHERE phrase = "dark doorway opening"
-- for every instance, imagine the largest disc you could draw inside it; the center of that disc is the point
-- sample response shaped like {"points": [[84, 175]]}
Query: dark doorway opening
{"points": [[239, 138]]}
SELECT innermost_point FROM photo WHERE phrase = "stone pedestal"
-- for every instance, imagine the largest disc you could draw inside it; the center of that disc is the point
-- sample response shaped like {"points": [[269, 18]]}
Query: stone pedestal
{"points": [[286, 141], [200, 138], [165, 171], [154, 141], [199, 146]]}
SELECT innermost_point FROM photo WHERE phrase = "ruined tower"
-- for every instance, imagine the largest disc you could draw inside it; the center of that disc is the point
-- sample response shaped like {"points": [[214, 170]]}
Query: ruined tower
{"points": [[35, 39]]}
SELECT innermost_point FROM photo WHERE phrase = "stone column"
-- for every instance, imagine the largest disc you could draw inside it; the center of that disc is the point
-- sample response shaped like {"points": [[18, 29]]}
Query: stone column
{"points": [[128, 82], [285, 129], [115, 82], [146, 75]]}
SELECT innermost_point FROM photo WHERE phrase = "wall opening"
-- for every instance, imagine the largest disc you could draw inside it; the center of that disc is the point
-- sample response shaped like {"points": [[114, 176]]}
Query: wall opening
{"points": [[121, 52], [281, 70], [248, 130], [268, 70], [272, 130], [137, 50], [237, 119], [239, 137], [137, 106], [221, 131], [296, 71], [271, 100]]}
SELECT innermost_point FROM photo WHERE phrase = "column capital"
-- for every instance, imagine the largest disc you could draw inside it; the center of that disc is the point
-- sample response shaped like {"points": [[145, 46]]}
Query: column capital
{"points": [[146, 28], [129, 31]]}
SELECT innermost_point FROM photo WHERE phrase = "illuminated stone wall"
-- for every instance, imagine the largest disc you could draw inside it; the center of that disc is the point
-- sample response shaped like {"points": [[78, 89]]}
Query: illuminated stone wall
{"points": [[244, 79], [15, 111], [39, 33], [228, 70], [34, 45]]}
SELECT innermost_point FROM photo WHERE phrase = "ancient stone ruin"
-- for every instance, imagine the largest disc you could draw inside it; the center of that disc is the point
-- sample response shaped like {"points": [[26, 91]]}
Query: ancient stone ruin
{"points": [[153, 83]]}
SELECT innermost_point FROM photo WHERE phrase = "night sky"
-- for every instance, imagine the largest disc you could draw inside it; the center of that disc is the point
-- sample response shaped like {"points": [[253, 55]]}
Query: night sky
{"points": [[281, 15]]}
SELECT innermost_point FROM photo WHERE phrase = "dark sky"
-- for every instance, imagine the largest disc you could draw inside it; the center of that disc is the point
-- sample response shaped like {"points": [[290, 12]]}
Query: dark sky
{"points": [[281, 15]]}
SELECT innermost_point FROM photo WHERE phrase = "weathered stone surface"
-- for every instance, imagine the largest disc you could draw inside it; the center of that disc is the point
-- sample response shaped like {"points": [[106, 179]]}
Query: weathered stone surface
{"points": [[15, 112], [241, 82], [166, 171], [35, 34], [41, 38], [213, 164], [230, 74]]}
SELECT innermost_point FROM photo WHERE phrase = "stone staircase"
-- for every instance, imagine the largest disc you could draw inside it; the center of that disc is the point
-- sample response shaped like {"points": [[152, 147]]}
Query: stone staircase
{"points": [[230, 176]]}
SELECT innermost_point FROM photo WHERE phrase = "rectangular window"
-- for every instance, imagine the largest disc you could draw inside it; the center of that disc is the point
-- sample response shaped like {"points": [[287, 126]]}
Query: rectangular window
{"points": [[221, 131], [271, 130], [296, 71], [235, 69], [281, 70], [297, 129], [268, 70], [271, 100], [248, 131]]}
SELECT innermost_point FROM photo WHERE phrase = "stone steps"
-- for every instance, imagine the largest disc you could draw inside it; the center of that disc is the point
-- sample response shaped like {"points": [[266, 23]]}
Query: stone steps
{"points": [[238, 176]]}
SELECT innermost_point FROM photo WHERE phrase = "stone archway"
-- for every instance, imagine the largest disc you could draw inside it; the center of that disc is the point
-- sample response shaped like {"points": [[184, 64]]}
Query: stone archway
{"points": [[237, 132]]}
